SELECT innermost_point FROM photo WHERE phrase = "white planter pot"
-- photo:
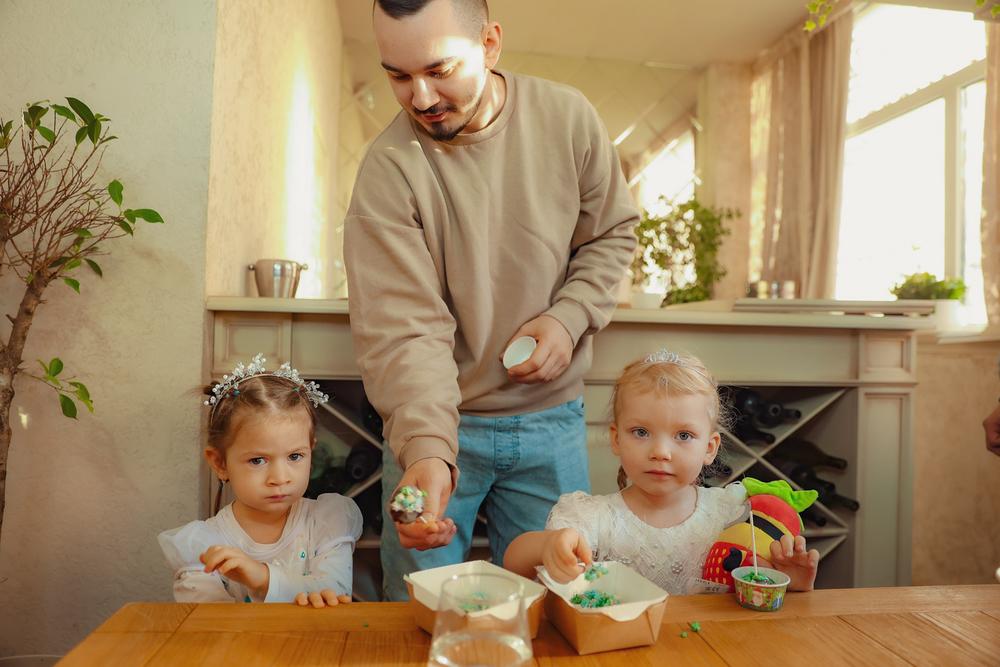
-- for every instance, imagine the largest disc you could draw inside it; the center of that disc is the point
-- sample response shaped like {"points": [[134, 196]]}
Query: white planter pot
{"points": [[649, 300], [947, 314]]}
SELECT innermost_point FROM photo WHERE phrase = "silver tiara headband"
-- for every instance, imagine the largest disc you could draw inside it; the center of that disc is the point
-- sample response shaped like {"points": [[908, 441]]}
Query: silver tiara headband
{"points": [[665, 356], [230, 383]]}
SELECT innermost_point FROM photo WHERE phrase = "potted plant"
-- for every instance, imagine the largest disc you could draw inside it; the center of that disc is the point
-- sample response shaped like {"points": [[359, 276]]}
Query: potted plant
{"points": [[677, 255], [54, 222], [946, 294]]}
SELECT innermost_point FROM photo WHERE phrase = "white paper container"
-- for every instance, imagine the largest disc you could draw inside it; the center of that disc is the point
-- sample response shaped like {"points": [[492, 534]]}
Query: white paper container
{"points": [[425, 586], [635, 621], [519, 351]]}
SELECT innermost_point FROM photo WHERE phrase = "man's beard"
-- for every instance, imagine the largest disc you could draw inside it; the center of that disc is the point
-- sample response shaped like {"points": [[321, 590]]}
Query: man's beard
{"points": [[441, 132]]}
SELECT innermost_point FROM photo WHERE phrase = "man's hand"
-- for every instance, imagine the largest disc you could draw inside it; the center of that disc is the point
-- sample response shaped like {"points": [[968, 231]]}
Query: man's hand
{"points": [[562, 554], [551, 356], [790, 556], [433, 476], [992, 427], [236, 565]]}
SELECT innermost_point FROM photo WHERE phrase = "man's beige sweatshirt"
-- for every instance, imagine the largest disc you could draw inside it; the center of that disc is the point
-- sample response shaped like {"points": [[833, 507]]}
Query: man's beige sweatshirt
{"points": [[451, 246]]}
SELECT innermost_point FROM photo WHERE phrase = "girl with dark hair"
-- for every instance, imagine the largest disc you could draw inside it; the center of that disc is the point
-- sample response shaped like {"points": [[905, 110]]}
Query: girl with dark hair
{"points": [[270, 544]]}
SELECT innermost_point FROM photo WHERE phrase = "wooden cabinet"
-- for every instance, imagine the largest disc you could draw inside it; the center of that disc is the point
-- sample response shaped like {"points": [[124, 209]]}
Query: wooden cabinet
{"points": [[851, 376]]}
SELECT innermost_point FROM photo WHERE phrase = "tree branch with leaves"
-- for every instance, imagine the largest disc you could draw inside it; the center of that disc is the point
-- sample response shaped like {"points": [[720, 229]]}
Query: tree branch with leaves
{"points": [[54, 221]]}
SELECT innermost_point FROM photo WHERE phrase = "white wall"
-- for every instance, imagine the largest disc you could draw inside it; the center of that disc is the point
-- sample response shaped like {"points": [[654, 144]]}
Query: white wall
{"points": [[85, 500], [272, 192]]}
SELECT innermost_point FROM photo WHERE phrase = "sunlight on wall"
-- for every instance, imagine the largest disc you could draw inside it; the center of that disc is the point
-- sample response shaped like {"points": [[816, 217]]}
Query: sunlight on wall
{"points": [[304, 227]]}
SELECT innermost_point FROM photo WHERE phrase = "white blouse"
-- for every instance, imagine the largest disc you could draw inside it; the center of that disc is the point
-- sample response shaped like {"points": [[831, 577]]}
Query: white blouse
{"points": [[672, 558], [315, 551]]}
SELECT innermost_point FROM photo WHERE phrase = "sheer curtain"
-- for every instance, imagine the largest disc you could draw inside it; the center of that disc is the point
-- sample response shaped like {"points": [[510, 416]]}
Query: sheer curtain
{"points": [[991, 177], [799, 110]]}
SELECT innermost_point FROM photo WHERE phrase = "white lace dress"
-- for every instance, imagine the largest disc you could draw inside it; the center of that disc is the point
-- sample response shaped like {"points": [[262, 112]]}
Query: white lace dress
{"points": [[672, 557], [315, 551]]}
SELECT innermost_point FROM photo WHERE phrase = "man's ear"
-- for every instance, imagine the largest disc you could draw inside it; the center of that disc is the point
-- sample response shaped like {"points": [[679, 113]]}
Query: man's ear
{"points": [[492, 43], [217, 462]]}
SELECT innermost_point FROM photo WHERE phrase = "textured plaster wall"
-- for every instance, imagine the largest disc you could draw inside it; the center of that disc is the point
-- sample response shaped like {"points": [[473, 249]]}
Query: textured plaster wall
{"points": [[85, 500], [273, 184], [723, 159], [956, 482]]}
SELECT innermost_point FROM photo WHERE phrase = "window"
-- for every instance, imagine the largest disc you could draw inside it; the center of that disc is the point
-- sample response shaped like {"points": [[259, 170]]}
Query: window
{"points": [[671, 175], [913, 157]]}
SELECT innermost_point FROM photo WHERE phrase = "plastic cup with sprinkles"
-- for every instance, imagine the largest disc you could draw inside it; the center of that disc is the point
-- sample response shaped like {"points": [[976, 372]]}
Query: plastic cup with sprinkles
{"points": [[763, 590]]}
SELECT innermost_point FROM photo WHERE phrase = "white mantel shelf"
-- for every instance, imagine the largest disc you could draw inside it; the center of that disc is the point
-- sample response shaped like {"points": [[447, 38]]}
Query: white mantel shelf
{"points": [[672, 316], [854, 376]]}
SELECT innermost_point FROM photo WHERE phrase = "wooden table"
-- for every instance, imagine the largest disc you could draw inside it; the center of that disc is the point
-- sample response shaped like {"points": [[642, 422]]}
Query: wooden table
{"points": [[954, 625]]}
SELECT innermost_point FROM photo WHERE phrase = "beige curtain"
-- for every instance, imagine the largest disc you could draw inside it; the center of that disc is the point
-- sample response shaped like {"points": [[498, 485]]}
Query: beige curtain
{"points": [[799, 109], [991, 176]]}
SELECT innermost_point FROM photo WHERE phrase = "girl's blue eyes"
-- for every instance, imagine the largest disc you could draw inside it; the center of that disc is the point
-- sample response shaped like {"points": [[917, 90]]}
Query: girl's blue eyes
{"points": [[259, 460], [683, 436]]}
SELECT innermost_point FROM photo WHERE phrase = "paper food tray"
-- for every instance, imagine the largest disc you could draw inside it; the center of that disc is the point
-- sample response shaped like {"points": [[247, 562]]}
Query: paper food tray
{"points": [[424, 587], [635, 621]]}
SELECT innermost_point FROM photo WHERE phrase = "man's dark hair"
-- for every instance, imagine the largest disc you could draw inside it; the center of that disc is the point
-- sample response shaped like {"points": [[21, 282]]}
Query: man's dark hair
{"points": [[472, 13]]}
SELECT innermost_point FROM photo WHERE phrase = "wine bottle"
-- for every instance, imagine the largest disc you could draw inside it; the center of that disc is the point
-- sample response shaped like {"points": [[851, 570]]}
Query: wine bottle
{"points": [[749, 434], [813, 515], [805, 477], [370, 418], [747, 402], [773, 413], [362, 461], [807, 453]]}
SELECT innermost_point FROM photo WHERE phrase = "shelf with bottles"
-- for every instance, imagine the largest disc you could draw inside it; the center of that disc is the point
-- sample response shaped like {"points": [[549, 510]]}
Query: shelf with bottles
{"points": [[764, 417]]}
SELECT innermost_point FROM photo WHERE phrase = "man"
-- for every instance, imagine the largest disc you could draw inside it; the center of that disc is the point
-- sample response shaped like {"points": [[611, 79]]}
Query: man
{"points": [[492, 207]]}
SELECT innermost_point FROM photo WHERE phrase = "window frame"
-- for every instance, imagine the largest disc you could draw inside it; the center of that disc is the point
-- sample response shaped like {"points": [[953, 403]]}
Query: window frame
{"points": [[948, 88]]}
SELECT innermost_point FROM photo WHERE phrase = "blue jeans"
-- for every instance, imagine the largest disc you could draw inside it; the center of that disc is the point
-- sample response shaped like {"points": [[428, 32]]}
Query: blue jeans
{"points": [[519, 465]]}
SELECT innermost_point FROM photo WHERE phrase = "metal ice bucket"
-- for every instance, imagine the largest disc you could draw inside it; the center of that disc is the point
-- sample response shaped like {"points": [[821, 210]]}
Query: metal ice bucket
{"points": [[277, 277]]}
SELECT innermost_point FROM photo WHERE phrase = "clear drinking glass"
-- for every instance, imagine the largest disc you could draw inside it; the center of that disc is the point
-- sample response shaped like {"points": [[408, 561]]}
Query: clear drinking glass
{"points": [[481, 620]]}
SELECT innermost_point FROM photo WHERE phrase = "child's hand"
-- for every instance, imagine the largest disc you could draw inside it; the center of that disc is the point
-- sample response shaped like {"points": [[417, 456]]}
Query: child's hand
{"points": [[324, 598], [563, 551], [236, 565], [791, 557]]}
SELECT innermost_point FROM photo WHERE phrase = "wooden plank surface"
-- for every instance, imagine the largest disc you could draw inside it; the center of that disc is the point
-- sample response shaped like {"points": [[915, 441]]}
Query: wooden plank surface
{"points": [[919, 625], [116, 648], [789, 641], [936, 638], [249, 649], [835, 602]]}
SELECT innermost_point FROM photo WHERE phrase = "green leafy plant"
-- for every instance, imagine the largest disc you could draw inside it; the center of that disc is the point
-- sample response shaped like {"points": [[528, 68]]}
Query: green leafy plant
{"points": [[819, 12], [994, 8], [926, 286], [680, 248], [54, 220]]}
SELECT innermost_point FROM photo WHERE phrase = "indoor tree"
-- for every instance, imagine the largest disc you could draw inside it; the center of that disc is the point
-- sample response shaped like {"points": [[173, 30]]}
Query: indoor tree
{"points": [[54, 223]]}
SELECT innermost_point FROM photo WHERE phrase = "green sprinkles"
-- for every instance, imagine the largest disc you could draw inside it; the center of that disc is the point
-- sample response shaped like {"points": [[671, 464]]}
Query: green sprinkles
{"points": [[595, 571], [479, 603], [755, 578], [695, 626], [593, 599], [684, 635]]}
